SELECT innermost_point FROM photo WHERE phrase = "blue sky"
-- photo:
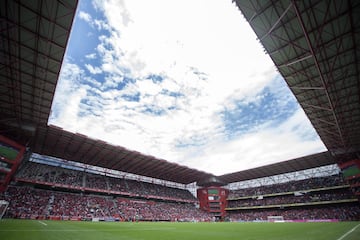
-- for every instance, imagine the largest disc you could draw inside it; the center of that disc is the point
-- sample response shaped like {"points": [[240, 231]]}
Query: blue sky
{"points": [[184, 81]]}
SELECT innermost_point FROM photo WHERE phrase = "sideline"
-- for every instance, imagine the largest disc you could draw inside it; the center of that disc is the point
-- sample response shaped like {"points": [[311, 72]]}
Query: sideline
{"points": [[42, 223], [347, 233]]}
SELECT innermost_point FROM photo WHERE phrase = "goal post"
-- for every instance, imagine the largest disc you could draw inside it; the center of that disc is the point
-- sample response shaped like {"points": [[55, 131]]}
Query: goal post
{"points": [[3, 206], [275, 219]]}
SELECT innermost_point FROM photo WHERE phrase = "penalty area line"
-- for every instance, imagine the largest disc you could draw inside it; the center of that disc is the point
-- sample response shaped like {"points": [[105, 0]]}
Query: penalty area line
{"points": [[348, 232], [41, 222]]}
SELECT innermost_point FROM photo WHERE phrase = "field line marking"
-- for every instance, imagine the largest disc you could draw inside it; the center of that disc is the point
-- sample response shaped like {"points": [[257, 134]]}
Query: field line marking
{"points": [[348, 232], [42, 223]]}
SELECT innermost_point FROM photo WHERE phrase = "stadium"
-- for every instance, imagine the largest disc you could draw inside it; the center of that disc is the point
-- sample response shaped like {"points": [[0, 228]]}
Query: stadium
{"points": [[58, 184]]}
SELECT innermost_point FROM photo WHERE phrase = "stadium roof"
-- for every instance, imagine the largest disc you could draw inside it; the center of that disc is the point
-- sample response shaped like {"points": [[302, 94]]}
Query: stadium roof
{"points": [[56, 142], [34, 35], [313, 44], [298, 164]]}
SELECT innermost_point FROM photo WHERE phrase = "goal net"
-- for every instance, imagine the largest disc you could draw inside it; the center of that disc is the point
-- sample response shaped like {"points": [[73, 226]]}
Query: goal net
{"points": [[275, 219], [3, 206]]}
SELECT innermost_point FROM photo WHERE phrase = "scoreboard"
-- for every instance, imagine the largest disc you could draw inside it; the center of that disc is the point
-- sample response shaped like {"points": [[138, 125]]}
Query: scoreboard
{"points": [[351, 173], [213, 200], [11, 154]]}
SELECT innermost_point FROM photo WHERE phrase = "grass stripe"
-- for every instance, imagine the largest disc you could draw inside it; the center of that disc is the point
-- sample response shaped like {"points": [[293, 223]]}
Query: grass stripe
{"points": [[42, 223], [348, 232]]}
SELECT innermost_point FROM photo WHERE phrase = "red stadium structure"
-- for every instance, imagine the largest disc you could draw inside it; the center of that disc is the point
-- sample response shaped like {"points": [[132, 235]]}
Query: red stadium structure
{"points": [[314, 45], [10, 158]]}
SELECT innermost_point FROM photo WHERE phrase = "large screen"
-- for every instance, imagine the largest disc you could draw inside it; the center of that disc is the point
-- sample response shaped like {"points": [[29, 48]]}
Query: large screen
{"points": [[351, 170], [8, 151], [213, 191]]}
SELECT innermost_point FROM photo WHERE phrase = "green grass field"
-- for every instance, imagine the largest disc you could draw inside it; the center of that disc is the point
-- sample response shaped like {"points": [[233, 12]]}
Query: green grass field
{"points": [[50, 230]]}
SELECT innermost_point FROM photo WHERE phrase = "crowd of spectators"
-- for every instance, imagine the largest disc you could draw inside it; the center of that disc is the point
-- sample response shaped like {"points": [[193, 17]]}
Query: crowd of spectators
{"points": [[309, 197], [354, 181], [355, 185], [96, 181], [292, 186], [79, 205], [27, 202], [342, 213], [72, 178], [317, 197], [117, 184], [49, 175], [160, 211], [132, 200]]}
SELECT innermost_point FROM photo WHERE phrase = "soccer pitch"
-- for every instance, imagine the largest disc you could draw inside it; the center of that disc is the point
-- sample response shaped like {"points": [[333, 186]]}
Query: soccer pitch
{"points": [[50, 230]]}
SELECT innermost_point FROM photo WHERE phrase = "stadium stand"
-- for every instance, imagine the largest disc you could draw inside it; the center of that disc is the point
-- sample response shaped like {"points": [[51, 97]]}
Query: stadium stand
{"points": [[48, 175], [318, 198], [301, 185], [30, 203], [324, 213], [42, 191], [323, 74]]}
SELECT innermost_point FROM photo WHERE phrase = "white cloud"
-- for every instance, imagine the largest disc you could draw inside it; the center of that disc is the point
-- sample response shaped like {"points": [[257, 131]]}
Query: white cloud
{"points": [[98, 24], [85, 16], [209, 61], [68, 95], [92, 69], [266, 146], [91, 56]]}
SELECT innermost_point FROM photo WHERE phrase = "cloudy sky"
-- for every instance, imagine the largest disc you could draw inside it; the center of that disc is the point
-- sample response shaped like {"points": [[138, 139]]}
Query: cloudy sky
{"points": [[185, 81]]}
